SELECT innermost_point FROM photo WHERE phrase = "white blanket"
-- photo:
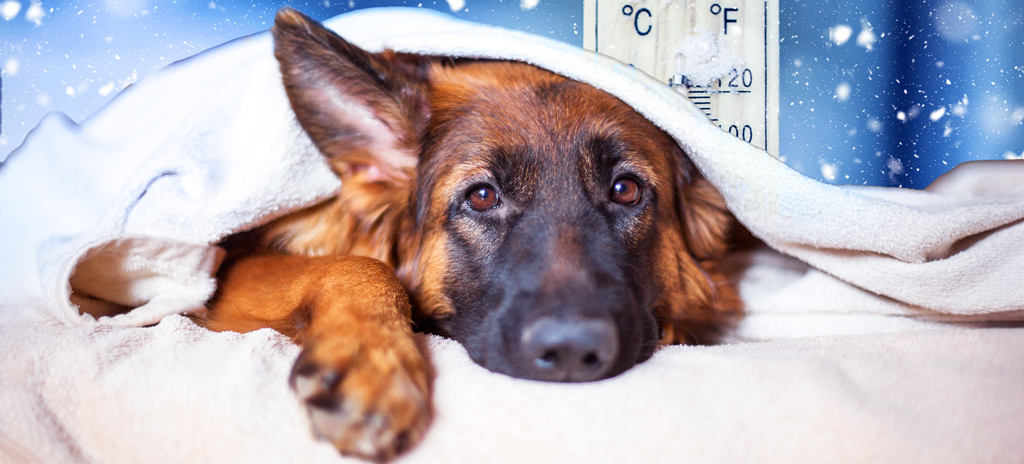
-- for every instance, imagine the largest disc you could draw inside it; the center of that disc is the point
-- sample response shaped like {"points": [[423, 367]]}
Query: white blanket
{"points": [[888, 349]]}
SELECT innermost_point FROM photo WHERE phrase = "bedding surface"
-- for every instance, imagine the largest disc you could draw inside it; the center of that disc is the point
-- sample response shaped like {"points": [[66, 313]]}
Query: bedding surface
{"points": [[175, 392], [883, 325]]}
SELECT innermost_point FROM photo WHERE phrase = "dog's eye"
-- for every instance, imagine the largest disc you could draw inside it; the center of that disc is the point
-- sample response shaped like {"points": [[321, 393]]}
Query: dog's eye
{"points": [[626, 191], [482, 198]]}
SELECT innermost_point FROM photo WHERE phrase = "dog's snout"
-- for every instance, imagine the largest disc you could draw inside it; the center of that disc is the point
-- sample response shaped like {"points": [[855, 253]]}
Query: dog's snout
{"points": [[569, 350]]}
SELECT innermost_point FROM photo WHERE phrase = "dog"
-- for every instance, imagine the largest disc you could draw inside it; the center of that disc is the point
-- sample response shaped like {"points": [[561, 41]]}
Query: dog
{"points": [[554, 232]]}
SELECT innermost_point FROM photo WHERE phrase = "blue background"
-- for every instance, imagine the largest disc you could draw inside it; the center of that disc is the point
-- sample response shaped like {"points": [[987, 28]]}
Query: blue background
{"points": [[942, 83]]}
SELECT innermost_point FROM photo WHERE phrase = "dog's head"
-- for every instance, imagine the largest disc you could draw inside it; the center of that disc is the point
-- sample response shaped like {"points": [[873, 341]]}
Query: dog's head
{"points": [[544, 224]]}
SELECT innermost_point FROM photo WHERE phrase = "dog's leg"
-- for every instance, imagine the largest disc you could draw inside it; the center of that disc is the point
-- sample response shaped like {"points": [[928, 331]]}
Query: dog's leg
{"points": [[361, 375]]}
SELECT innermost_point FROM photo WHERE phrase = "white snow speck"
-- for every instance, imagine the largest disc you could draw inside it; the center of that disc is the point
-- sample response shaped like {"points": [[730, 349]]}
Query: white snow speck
{"points": [[937, 114], [526, 5], [955, 21], [702, 58], [843, 91], [106, 89], [895, 166], [867, 37], [43, 100], [456, 5], [212, 5], [960, 109], [126, 8], [70, 91], [35, 13], [11, 66], [840, 34], [10, 9], [1018, 115], [829, 170], [874, 125], [901, 116]]}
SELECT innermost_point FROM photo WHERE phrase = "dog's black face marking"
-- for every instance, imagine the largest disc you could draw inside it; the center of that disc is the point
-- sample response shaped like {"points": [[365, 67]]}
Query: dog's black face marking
{"points": [[551, 280]]}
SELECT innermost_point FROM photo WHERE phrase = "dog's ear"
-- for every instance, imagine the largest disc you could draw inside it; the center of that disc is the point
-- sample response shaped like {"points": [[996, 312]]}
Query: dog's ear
{"points": [[698, 306], [707, 222], [366, 112]]}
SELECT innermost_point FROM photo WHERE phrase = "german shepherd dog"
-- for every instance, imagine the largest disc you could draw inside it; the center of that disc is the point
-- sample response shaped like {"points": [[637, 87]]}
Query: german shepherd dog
{"points": [[542, 223]]}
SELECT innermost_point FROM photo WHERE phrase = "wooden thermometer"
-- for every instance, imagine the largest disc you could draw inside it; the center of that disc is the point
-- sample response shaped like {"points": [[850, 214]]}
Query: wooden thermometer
{"points": [[723, 54]]}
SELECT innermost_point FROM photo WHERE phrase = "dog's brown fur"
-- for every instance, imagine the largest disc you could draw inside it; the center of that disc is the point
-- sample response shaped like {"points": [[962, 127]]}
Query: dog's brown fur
{"points": [[345, 279]]}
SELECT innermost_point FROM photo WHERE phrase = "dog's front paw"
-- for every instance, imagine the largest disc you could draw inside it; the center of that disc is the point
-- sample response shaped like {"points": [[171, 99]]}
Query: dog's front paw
{"points": [[371, 402]]}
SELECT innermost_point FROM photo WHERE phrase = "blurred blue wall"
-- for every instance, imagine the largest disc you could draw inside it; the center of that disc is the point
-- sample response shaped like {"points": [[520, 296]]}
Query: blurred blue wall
{"points": [[942, 83]]}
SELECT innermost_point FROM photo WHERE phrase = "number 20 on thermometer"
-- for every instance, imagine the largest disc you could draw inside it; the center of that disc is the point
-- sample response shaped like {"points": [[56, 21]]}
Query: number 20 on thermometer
{"points": [[722, 54]]}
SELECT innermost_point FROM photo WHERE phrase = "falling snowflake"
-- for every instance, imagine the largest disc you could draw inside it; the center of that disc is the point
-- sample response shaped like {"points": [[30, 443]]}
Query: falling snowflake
{"points": [[527, 5], [829, 171], [35, 13], [840, 34], [456, 5], [106, 89], [867, 37], [843, 91], [9, 9], [11, 66]]}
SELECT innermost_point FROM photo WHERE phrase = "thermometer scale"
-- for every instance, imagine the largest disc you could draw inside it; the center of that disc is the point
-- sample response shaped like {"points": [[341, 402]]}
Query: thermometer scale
{"points": [[722, 54]]}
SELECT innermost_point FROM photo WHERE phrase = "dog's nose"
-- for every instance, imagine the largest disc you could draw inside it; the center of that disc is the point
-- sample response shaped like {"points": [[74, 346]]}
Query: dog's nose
{"points": [[569, 350]]}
